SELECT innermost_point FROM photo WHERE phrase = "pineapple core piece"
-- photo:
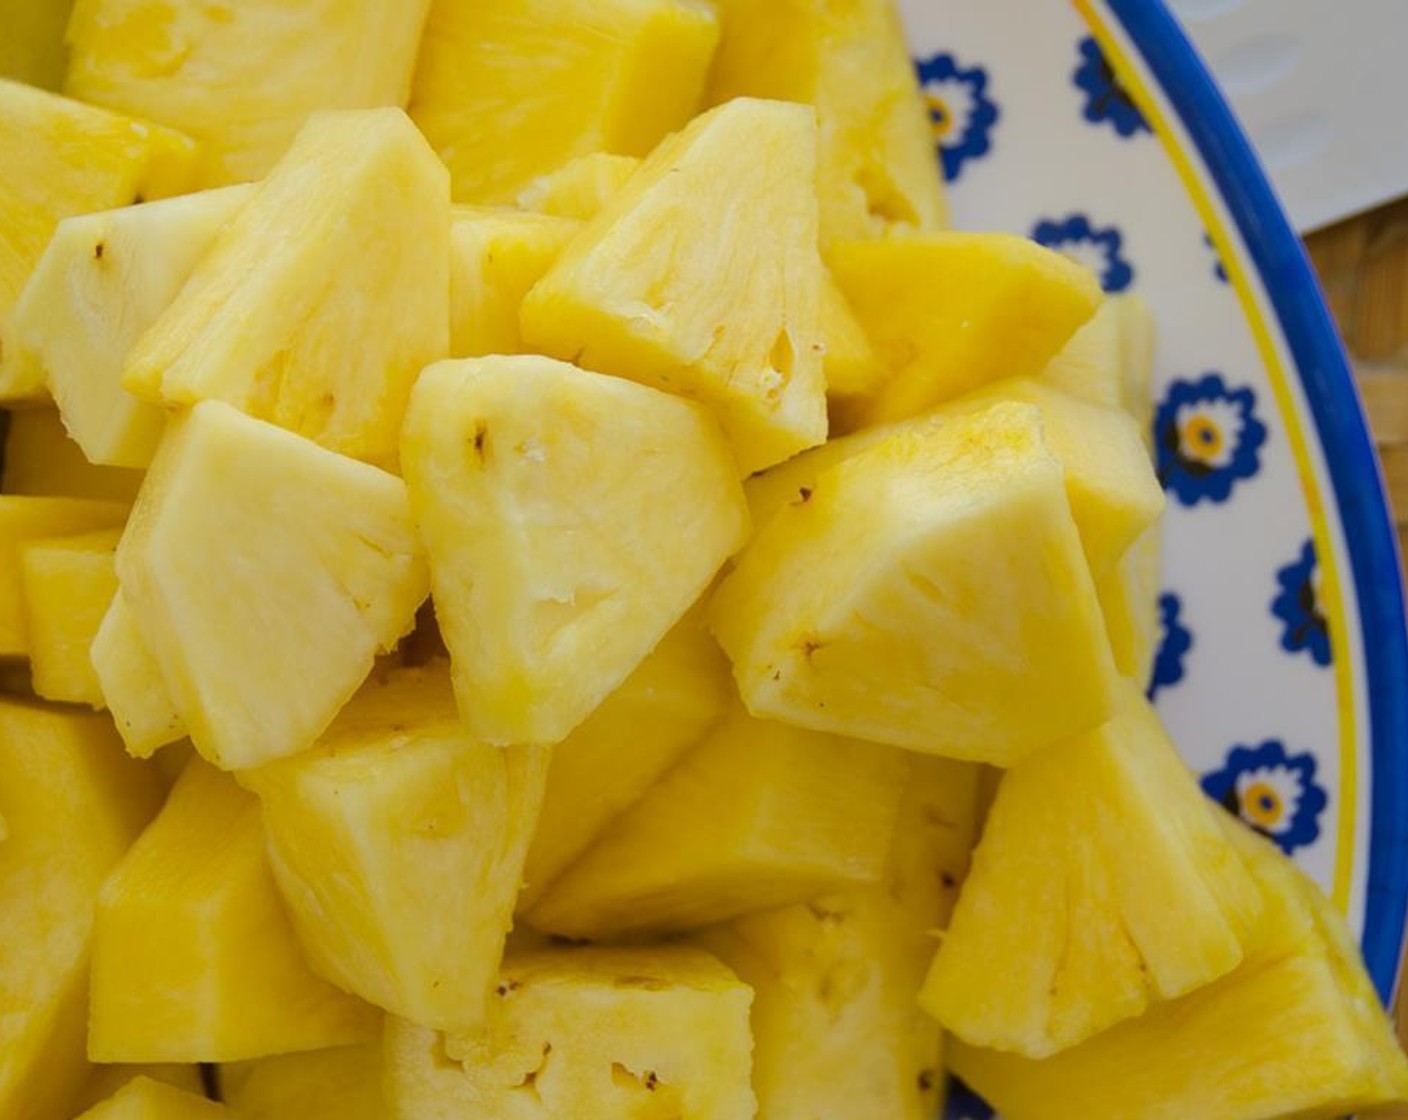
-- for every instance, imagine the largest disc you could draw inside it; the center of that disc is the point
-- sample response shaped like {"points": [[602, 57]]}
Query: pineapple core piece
{"points": [[627, 745], [194, 959], [132, 686], [43, 461], [398, 843], [571, 519], [580, 187], [837, 1030], [510, 90], [949, 312], [1103, 885], [104, 279], [878, 173], [242, 78], [496, 256], [931, 593], [72, 803], [758, 815], [64, 158], [1297, 1030], [279, 317], [265, 603], [339, 1084], [650, 1033], [701, 277], [66, 584], [144, 1098]]}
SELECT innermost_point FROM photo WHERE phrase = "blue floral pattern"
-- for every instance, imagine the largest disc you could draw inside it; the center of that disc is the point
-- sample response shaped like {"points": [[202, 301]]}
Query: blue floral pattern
{"points": [[1273, 791], [1105, 98], [964, 1104], [1207, 439], [1174, 643], [1101, 249], [961, 113], [1304, 625]]}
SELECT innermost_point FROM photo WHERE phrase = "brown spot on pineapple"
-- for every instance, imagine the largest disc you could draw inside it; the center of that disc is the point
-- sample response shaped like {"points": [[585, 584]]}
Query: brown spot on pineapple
{"points": [[651, 1080], [948, 881], [507, 986], [98, 250], [479, 441], [805, 493], [927, 1080], [810, 646]]}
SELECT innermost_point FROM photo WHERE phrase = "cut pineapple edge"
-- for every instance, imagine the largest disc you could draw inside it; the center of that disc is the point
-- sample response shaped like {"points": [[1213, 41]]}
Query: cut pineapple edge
{"points": [[544, 582]]}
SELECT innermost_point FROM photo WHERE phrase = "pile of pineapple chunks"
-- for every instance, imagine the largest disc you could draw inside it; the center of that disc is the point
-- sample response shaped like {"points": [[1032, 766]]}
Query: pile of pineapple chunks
{"points": [[453, 677]]}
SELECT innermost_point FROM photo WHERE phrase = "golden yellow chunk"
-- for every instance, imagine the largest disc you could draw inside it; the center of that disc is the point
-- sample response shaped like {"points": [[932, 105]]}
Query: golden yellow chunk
{"points": [[144, 1098], [132, 686], [339, 1084], [67, 584]]}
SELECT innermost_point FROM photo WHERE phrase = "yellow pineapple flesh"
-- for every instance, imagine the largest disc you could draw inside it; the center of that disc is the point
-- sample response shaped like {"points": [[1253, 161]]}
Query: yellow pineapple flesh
{"points": [[580, 187], [1297, 1030], [278, 317], [339, 1084], [66, 584], [194, 958], [510, 90], [72, 803], [628, 744], [131, 684], [1129, 598], [756, 816], [853, 368], [879, 170], [65, 158], [264, 603], [41, 460], [103, 280], [242, 78], [106, 1080], [930, 592], [571, 519], [398, 844], [32, 50], [701, 277], [145, 1098], [650, 1033]]}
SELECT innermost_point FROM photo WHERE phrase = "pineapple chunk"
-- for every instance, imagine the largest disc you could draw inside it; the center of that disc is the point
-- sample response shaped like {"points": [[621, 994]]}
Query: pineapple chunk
{"points": [[510, 90], [194, 959], [106, 1080], [65, 158], [265, 603], [144, 1098], [276, 319], [952, 311], [1297, 1030], [1110, 360], [836, 1028], [1129, 599], [758, 815], [595, 1034], [930, 593], [104, 279], [496, 256], [26, 519], [878, 170], [132, 686], [628, 744], [41, 460], [1137, 342], [72, 803], [702, 278], [571, 520], [242, 78], [66, 584], [581, 187], [1103, 885], [32, 49], [398, 843], [339, 1084]]}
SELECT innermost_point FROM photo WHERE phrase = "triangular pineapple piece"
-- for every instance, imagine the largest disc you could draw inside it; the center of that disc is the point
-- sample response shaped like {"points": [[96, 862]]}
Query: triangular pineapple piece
{"points": [[650, 1033], [930, 592], [398, 844], [194, 959], [1297, 1030], [652, 291], [278, 318], [571, 519], [41, 460], [952, 311], [339, 1084], [106, 1080], [836, 1027], [242, 78], [758, 815], [65, 158], [72, 803], [510, 90], [265, 599], [132, 686], [580, 187], [103, 280], [66, 584], [641, 730], [878, 171], [146, 1099], [1103, 886]]}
